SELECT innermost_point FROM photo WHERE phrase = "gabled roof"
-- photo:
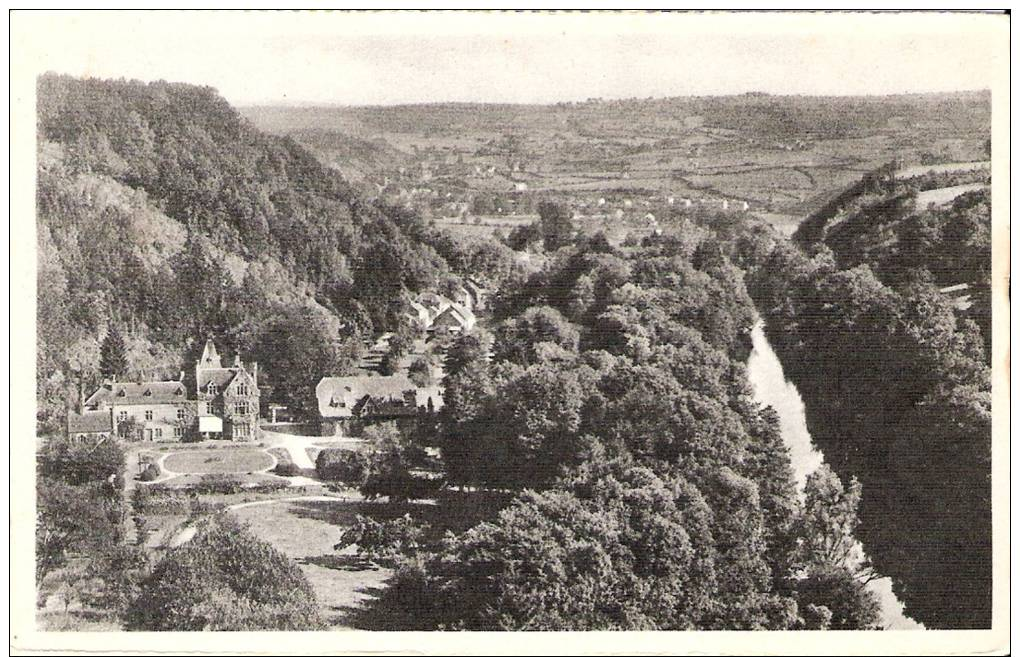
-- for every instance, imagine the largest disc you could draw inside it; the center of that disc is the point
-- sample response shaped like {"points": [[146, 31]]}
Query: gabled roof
{"points": [[221, 376], [339, 396], [460, 314], [90, 422], [126, 393]]}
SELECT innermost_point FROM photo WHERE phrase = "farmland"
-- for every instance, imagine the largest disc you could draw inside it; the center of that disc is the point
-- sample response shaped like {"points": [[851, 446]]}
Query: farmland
{"points": [[783, 156]]}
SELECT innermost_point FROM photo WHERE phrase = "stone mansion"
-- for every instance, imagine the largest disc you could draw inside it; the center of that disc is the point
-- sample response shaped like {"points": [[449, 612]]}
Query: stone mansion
{"points": [[223, 404]]}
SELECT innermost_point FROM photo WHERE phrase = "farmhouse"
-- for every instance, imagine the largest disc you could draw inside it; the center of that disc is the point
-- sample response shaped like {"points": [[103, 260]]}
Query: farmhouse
{"points": [[225, 404], [349, 403]]}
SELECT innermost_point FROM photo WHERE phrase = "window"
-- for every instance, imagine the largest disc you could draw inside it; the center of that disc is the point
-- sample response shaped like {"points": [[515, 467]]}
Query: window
{"points": [[212, 388], [241, 408], [242, 390], [157, 433], [178, 432], [180, 413], [148, 415], [241, 430], [122, 416]]}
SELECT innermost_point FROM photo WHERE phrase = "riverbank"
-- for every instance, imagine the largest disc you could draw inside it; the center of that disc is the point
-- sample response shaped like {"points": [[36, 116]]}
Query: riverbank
{"points": [[771, 388]]}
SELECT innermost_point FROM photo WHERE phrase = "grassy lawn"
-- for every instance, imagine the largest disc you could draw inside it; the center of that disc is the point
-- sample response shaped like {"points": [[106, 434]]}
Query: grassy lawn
{"points": [[306, 531], [218, 461], [346, 585]]}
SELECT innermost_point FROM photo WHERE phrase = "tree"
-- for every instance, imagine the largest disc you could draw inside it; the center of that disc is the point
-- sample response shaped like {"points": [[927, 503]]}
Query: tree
{"points": [[384, 542], [116, 574], [113, 354], [420, 370], [517, 338], [391, 463], [225, 578], [342, 465], [296, 351], [556, 226], [80, 464], [74, 520], [619, 549], [835, 571], [400, 344]]}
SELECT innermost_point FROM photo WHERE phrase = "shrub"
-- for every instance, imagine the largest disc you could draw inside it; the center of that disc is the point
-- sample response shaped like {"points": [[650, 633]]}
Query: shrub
{"points": [[384, 541], [342, 465], [224, 484], [150, 473], [287, 470], [225, 579]]}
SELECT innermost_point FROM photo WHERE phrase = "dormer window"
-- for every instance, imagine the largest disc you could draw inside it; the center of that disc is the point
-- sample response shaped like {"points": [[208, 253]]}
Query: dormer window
{"points": [[121, 393], [179, 392], [147, 393], [212, 388]]}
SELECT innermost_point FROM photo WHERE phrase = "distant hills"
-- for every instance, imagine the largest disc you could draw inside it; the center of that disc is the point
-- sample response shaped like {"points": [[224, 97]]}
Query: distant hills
{"points": [[782, 154]]}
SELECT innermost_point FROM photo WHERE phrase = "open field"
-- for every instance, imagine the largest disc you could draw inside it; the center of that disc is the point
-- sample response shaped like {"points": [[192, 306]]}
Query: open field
{"points": [[783, 155], [945, 195], [218, 462]]}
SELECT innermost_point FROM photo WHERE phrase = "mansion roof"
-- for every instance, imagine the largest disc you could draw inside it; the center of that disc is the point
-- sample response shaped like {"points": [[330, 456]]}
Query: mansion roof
{"points": [[123, 393]]}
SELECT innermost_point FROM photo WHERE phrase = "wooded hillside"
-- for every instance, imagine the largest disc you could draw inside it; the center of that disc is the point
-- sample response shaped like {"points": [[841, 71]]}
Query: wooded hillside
{"points": [[160, 209]]}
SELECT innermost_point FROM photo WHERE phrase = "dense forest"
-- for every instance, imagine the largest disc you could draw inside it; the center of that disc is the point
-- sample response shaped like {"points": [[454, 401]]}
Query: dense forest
{"points": [[640, 485], [165, 214], [896, 380]]}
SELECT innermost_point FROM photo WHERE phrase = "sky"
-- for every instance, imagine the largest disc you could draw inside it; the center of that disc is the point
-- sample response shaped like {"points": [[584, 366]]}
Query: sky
{"points": [[372, 58]]}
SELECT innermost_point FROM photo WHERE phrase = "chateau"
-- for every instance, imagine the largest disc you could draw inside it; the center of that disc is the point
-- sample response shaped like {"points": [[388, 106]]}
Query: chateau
{"points": [[224, 404]]}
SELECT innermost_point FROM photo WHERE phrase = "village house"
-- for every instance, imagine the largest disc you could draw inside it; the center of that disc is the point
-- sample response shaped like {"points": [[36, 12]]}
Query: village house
{"points": [[453, 320], [440, 315], [347, 404], [224, 404]]}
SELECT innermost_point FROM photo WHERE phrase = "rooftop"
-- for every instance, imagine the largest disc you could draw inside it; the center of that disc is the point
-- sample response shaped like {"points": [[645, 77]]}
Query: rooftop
{"points": [[339, 395], [124, 393]]}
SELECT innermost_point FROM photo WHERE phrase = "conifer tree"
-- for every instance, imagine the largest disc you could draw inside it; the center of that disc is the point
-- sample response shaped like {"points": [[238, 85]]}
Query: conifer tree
{"points": [[113, 354]]}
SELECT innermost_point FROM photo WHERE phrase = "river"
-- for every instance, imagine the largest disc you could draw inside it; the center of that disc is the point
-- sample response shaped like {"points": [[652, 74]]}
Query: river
{"points": [[771, 388]]}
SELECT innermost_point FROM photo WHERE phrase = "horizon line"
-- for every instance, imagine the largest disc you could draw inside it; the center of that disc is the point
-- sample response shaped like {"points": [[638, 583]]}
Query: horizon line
{"points": [[311, 104]]}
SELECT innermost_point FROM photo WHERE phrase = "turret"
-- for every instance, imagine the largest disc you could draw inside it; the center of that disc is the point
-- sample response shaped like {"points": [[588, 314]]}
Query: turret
{"points": [[210, 357]]}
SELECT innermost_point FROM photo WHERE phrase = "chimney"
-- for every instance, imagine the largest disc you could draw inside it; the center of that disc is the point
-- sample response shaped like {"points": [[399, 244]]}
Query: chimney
{"points": [[255, 373], [181, 377], [237, 360]]}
